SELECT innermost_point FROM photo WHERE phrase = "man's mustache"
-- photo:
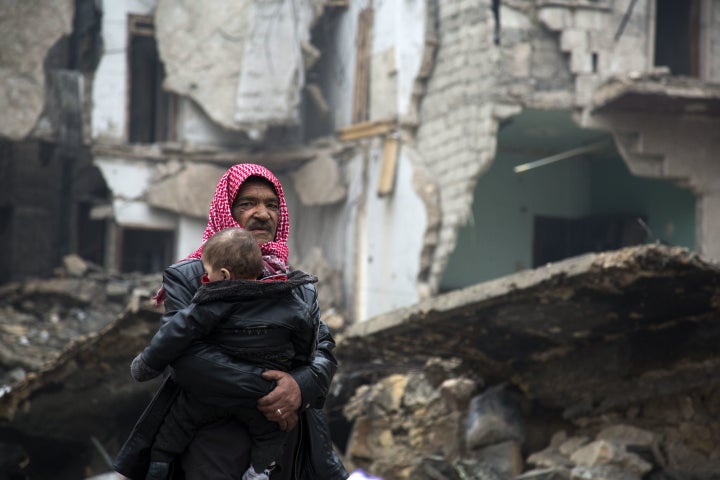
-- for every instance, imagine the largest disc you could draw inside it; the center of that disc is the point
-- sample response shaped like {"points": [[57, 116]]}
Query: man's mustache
{"points": [[257, 225]]}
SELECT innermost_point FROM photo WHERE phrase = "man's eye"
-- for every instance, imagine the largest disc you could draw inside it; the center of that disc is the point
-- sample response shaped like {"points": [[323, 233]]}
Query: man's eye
{"points": [[243, 204], [273, 206]]}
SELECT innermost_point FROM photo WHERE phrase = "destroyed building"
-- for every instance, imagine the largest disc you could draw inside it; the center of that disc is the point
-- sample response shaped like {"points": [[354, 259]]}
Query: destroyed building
{"points": [[425, 147]]}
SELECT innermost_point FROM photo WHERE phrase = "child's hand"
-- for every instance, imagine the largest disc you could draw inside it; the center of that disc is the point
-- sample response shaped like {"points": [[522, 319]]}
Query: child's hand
{"points": [[140, 370]]}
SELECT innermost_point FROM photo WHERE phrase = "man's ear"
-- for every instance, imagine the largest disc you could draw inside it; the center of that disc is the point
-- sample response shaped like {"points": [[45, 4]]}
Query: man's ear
{"points": [[225, 274]]}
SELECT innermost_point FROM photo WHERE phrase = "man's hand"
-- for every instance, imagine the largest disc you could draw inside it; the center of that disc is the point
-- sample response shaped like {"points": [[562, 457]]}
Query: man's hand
{"points": [[281, 405]]}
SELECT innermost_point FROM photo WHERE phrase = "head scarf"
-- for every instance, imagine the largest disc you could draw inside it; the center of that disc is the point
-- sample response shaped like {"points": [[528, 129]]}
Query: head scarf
{"points": [[220, 215], [275, 253]]}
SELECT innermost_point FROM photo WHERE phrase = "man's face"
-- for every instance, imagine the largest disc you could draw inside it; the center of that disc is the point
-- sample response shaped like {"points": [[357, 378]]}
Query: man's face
{"points": [[257, 209]]}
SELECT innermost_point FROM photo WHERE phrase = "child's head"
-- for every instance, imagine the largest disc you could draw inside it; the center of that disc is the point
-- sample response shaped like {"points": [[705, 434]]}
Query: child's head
{"points": [[232, 254]]}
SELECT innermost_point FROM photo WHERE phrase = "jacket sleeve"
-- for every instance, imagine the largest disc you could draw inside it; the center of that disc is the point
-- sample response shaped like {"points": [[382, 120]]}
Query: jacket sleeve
{"points": [[314, 379], [181, 282], [305, 338], [180, 323], [180, 330]]}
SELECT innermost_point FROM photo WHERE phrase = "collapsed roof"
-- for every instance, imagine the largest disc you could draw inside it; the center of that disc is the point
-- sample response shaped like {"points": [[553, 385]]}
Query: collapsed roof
{"points": [[583, 335]]}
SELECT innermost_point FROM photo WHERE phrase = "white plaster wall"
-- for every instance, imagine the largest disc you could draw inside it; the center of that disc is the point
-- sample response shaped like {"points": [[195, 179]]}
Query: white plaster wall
{"points": [[128, 180], [410, 43], [398, 25], [398, 30], [392, 231], [342, 59], [331, 228], [110, 83], [188, 236], [374, 242]]}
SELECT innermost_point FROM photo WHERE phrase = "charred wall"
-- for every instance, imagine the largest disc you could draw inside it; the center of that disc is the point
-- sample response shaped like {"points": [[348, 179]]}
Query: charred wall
{"points": [[48, 173]]}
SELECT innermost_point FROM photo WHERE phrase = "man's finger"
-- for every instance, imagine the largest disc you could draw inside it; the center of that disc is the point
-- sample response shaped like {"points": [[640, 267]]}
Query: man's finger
{"points": [[289, 422], [273, 374]]}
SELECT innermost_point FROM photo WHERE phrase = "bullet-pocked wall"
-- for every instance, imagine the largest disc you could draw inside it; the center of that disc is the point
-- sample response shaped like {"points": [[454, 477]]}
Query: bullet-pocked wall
{"points": [[588, 202]]}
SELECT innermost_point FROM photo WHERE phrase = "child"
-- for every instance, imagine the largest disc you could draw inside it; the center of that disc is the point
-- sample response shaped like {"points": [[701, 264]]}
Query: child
{"points": [[248, 322]]}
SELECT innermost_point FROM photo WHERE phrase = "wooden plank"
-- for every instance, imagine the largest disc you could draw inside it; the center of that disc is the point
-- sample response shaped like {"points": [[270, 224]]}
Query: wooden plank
{"points": [[366, 129], [141, 25], [386, 183]]}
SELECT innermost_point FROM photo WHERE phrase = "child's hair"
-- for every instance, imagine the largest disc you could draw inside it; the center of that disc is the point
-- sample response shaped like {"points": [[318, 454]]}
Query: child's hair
{"points": [[235, 249]]}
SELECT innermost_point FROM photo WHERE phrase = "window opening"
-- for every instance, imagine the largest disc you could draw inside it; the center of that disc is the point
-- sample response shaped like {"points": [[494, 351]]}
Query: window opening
{"points": [[151, 109], [556, 238], [145, 251], [677, 36]]}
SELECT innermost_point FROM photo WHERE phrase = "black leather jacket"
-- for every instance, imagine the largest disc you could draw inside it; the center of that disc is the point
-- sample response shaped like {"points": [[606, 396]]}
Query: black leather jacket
{"points": [[216, 342], [319, 461]]}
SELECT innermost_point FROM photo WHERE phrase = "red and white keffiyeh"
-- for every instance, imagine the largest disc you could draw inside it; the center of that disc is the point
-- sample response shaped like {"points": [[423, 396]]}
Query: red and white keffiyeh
{"points": [[275, 253]]}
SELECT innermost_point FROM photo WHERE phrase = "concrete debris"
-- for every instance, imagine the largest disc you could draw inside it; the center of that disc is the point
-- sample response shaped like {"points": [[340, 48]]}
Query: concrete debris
{"points": [[330, 292], [613, 407], [396, 439], [233, 59], [407, 417], [545, 474], [67, 342], [319, 181], [662, 93], [40, 318], [493, 417], [600, 321], [188, 191]]}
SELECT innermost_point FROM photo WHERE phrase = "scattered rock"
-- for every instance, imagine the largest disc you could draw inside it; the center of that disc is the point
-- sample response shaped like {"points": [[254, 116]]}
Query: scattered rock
{"points": [[493, 417]]}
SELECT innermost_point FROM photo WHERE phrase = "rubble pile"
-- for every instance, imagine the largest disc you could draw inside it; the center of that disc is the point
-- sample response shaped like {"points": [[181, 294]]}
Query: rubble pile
{"points": [[437, 423], [603, 366], [40, 318], [68, 401]]}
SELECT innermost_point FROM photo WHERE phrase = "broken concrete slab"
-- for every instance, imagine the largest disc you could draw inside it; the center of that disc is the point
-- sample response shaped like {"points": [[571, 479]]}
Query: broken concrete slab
{"points": [[319, 182], [657, 94], [241, 61], [188, 191], [273, 72], [23, 53], [202, 50], [583, 335]]}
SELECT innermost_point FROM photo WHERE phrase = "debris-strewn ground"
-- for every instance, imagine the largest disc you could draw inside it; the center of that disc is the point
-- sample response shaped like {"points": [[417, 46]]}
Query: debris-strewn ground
{"points": [[67, 397], [597, 367]]}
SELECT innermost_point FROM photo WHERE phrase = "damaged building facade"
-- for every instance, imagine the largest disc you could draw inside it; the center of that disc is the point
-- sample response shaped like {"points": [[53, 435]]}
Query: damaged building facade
{"points": [[517, 133], [424, 146]]}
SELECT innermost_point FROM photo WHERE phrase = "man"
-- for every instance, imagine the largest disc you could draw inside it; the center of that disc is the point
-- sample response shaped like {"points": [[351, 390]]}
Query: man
{"points": [[247, 196]]}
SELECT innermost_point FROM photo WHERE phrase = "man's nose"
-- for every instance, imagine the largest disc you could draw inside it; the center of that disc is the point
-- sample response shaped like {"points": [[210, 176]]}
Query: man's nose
{"points": [[262, 212]]}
